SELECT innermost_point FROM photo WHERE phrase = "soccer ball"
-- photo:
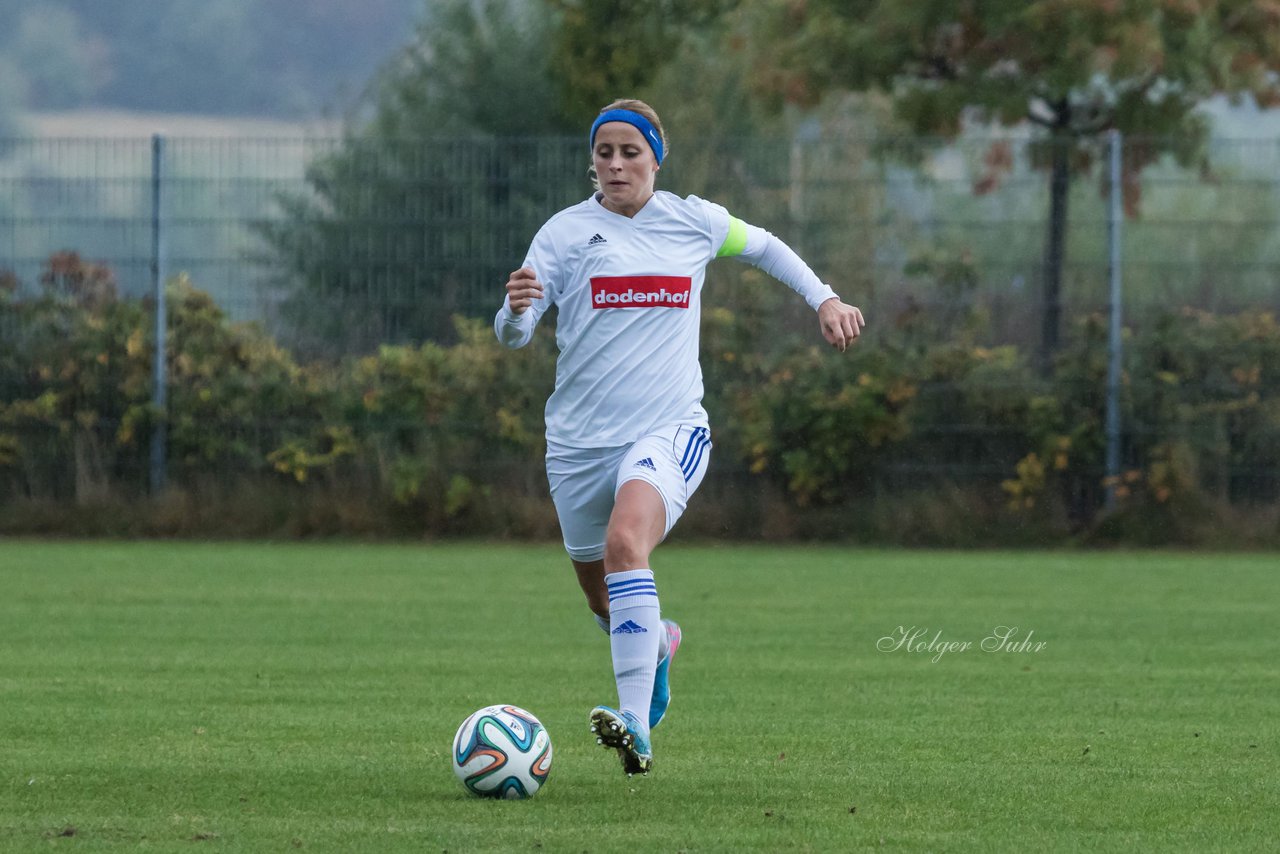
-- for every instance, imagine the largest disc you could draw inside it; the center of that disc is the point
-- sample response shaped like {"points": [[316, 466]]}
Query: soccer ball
{"points": [[502, 752]]}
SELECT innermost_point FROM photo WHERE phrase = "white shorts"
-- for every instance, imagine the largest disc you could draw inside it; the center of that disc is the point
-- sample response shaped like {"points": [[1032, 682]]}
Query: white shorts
{"points": [[585, 482]]}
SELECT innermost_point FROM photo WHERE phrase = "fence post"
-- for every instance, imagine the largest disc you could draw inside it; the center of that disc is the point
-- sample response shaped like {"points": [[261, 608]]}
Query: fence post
{"points": [[159, 374], [1115, 219]]}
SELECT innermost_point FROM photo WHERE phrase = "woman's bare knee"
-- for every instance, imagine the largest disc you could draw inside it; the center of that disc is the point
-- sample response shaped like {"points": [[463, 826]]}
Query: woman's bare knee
{"points": [[624, 549], [635, 528]]}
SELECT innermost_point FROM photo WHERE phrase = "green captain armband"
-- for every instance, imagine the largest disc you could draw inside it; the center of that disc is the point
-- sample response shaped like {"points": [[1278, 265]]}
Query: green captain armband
{"points": [[735, 242]]}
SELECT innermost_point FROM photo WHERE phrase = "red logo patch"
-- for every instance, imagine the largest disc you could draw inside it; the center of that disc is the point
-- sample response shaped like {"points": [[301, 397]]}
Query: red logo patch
{"points": [[640, 291]]}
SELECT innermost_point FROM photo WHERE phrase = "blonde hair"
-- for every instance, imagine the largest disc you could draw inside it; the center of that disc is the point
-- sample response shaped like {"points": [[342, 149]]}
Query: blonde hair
{"points": [[651, 115]]}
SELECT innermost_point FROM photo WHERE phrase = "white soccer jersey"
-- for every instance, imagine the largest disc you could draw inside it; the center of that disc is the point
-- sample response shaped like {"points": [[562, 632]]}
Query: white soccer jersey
{"points": [[629, 295]]}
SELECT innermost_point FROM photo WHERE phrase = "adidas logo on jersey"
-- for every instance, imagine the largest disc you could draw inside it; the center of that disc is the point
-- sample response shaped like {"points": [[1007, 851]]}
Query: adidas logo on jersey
{"points": [[646, 463], [596, 240], [630, 627]]}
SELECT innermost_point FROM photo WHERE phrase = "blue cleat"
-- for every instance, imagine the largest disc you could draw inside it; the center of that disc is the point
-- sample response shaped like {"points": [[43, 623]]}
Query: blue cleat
{"points": [[621, 731], [662, 677]]}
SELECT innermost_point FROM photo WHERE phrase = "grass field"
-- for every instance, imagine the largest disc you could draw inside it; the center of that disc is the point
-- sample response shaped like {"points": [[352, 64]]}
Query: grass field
{"points": [[248, 697]]}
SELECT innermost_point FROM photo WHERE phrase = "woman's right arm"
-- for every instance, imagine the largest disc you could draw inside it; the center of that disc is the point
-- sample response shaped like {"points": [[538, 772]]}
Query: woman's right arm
{"points": [[515, 321]]}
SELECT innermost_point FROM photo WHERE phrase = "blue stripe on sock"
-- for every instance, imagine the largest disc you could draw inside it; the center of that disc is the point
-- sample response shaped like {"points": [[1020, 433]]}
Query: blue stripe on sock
{"points": [[622, 585], [633, 591], [616, 577], [639, 585], [625, 594]]}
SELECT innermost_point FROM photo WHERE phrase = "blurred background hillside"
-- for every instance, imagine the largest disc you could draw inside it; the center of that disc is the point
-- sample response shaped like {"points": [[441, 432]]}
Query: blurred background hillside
{"points": [[278, 59]]}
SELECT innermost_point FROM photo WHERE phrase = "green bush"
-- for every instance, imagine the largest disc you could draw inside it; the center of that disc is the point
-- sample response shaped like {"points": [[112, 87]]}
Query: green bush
{"points": [[233, 393], [924, 435], [439, 429], [75, 374]]}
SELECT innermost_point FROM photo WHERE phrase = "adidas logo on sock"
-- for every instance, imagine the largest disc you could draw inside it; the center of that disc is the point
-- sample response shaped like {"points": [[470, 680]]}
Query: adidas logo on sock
{"points": [[630, 627], [596, 240], [646, 463]]}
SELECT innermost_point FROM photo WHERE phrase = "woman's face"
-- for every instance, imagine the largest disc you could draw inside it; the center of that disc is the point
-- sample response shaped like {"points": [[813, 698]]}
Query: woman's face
{"points": [[625, 167]]}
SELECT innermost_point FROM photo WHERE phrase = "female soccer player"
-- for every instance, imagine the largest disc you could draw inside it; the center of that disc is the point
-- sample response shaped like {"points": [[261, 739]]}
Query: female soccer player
{"points": [[627, 438]]}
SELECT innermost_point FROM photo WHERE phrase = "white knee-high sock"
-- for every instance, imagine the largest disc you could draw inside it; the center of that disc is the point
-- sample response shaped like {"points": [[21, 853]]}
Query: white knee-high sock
{"points": [[635, 625]]}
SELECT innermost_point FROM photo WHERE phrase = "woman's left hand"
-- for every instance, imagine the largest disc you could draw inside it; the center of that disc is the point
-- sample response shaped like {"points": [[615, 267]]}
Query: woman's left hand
{"points": [[841, 324]]}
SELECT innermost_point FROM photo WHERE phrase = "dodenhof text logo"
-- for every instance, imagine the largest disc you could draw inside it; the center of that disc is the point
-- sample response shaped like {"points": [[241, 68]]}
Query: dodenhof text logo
{"points": [[640, 291]]}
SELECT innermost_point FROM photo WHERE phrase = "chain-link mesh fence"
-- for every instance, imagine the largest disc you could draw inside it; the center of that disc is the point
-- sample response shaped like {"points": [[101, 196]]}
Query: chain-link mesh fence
{"points": [[336, 247]]}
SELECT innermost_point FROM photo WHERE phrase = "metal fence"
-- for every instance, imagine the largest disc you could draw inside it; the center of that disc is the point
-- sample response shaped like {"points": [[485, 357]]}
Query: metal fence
{"points": [[859, 210], [338, 245]]}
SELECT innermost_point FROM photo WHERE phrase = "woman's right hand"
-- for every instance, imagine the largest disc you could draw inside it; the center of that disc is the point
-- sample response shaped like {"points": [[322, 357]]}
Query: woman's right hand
{"points": [[523, 288]]}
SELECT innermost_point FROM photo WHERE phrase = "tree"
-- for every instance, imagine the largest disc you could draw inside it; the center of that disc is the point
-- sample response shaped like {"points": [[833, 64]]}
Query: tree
{"points": [[1076, 68], [608, 49], [472, 67], [427, 204]]}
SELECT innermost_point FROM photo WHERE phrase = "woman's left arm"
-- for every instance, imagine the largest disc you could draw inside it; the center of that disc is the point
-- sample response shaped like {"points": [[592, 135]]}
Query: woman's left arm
{"points": [[840, 324]]}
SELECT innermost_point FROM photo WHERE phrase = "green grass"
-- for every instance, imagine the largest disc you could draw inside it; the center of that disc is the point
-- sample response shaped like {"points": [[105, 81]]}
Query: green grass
{"points": [[248, 697]]}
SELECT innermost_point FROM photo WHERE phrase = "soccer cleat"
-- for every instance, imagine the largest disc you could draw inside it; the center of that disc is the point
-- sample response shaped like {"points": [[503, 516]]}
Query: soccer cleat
{"points": [[621, 731], [662, 676]]}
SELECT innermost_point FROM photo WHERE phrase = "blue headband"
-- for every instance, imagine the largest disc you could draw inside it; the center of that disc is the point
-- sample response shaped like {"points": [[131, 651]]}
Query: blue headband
{"points": [[637, 121]]}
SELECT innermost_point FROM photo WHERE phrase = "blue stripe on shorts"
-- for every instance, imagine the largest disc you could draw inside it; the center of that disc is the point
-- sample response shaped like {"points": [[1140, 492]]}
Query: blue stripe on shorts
{"points": [[699, 439]]}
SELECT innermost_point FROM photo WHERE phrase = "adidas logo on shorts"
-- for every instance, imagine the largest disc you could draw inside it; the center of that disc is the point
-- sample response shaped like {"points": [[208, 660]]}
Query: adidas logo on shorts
{"points": [[646, 463]]}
